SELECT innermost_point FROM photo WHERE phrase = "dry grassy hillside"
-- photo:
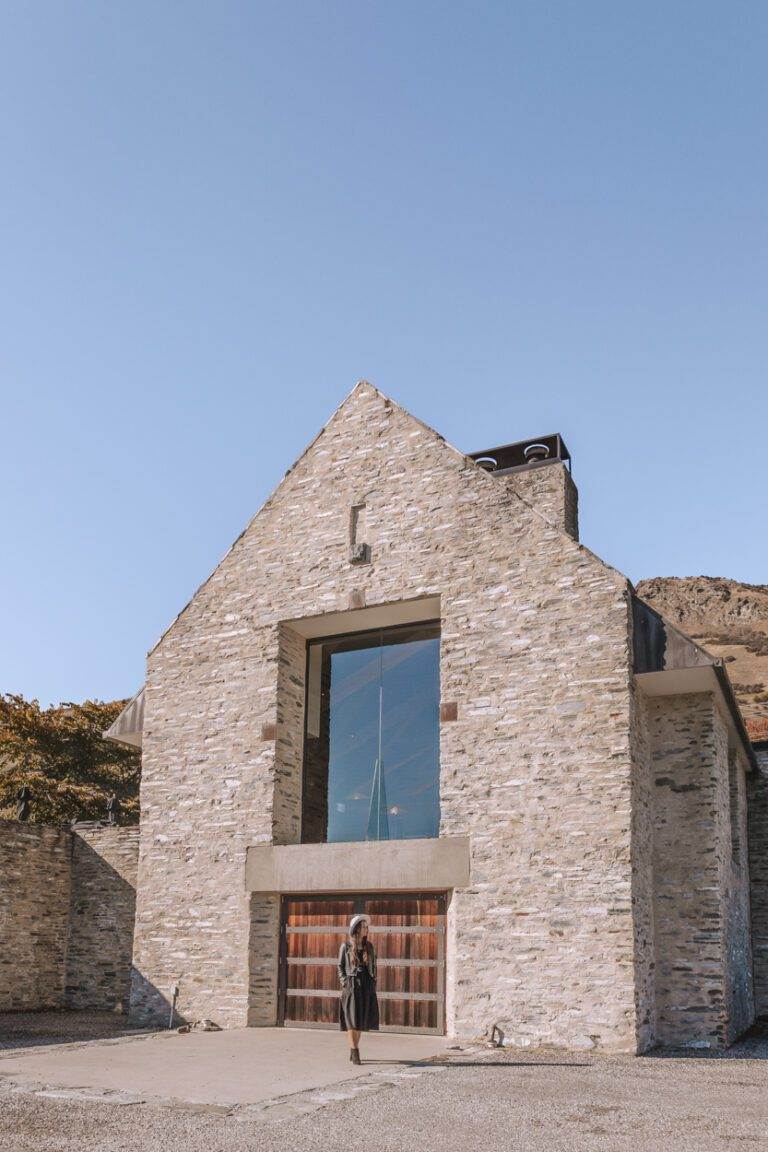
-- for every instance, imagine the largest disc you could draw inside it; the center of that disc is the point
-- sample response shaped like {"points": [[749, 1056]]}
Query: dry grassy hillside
{"points": [[731, 621]]}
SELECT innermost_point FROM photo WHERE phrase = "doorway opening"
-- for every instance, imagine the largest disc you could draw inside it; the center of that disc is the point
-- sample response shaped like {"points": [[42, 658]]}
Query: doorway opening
{"points": [[408, 933]]}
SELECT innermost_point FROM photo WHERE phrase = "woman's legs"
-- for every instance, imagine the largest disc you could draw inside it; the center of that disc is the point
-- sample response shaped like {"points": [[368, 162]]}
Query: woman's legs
{"points": [[354, 1038]]}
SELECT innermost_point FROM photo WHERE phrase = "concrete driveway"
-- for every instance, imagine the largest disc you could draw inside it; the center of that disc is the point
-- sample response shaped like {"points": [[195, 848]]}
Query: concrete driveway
{"points": [[238, 1067]]}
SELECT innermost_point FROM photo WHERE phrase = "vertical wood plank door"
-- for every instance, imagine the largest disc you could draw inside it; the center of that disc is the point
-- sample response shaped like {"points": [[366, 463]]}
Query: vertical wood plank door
{"points": [[408, 932]]}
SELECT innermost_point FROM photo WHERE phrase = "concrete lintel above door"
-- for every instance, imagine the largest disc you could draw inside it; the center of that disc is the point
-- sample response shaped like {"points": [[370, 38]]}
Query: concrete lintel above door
{"points": [[367, 866]]}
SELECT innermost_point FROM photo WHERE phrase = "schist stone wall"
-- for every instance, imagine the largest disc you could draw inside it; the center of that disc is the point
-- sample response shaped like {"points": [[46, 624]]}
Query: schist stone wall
{"points": [[536, 768], [66, 916], [757, 786], [102, 911], [35, 878], [703, 969], [550, 489]]}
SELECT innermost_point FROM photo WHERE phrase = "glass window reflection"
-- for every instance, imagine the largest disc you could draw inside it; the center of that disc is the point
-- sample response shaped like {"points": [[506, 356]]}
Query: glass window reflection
{"points": [[371, 754]]}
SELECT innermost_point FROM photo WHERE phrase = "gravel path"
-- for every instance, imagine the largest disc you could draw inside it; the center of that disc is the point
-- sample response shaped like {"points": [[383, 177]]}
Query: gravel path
{"points": [[486, 1100]]}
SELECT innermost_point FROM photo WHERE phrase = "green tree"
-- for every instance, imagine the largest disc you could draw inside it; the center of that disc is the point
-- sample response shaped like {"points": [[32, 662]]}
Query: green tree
{"points": [[61, 756]]}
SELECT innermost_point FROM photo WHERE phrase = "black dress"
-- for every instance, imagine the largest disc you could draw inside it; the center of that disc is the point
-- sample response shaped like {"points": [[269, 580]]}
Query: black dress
{"points": [[359, 1007]]}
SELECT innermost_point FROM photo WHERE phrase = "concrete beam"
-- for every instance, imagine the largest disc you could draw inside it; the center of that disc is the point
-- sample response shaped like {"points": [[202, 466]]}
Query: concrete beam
{"points": [[368, 866], [705, 678]]}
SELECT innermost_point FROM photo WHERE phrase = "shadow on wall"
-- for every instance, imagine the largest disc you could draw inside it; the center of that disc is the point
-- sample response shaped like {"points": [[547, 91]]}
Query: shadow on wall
{"points": [[100, 975], [102, 911], [150, 1006], [751, 1045], [67, 913]]}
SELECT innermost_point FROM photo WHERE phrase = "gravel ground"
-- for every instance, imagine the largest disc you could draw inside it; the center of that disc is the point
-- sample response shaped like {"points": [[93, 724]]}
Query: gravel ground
{"points": [[486, 1100]]}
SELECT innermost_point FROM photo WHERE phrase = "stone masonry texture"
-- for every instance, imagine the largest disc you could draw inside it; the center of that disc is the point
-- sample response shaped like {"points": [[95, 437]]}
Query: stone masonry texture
{"points": [[101, 917], [549, 768], [736, 911], [703, 985], [66, 916], [758, 868], [551, 490], [34, 911], [642, 871]]}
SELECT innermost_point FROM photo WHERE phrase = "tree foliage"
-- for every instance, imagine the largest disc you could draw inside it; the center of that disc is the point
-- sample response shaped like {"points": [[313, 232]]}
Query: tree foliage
{"points": [[60, 755]]}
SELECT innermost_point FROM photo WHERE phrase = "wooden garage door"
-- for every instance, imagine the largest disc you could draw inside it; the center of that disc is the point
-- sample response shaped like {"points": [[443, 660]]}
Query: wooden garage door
{"points": [[408, 932]]}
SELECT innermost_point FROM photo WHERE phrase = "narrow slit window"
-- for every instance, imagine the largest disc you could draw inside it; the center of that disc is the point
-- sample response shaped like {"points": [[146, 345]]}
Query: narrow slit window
{"points": [[357, 518]]}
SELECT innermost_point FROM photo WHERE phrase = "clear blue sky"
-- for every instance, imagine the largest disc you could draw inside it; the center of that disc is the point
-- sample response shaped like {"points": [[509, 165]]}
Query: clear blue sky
{"points": [[514, 218]]}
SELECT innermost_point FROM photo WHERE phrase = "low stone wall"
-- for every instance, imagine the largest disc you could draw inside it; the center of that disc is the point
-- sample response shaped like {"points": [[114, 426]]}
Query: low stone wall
{"points": [[102, 912], [757, 787], [67, 907], [35, 879]]}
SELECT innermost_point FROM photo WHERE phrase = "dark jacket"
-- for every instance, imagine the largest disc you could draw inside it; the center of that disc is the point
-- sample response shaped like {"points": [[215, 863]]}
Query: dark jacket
{"points": [[348, 963]]}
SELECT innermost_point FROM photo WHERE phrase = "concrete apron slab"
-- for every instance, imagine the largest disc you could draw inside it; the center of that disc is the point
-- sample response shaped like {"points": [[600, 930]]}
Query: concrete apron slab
{"points": [[237, 1067]]}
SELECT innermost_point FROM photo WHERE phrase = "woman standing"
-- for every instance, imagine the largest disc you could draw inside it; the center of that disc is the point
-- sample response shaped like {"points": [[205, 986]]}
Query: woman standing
{"points": [[357, 974]]}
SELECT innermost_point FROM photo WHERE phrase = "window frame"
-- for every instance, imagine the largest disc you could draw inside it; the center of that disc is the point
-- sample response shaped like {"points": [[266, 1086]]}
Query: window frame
{"points": [[334, 637]]}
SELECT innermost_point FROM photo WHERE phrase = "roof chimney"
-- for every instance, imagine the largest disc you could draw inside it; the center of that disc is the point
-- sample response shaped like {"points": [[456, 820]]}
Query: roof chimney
{"points": [[539, 470]]}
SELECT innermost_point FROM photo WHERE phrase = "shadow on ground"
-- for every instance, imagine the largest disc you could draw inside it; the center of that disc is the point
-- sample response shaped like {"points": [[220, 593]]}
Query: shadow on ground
{"points": [[753, 1045], [40, 1029]]}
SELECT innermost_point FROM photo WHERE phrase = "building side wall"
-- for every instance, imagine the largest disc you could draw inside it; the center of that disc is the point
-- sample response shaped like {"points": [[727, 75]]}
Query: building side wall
{"points": [[739, 975], [34, 904], [703, 979], [688, 930], [536, 769], [757, 798], [102, 911], [642, 873]]}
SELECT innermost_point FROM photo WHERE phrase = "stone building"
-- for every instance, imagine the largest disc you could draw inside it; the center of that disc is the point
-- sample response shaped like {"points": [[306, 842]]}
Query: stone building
{"points": [[409, 689]]}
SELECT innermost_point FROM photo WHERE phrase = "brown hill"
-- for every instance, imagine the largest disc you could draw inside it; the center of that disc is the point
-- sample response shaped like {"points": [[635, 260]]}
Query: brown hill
{"points": [[730, 620]]}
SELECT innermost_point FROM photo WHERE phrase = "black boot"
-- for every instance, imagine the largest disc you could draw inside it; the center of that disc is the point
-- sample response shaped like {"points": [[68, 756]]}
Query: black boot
{"points": [[355, 1056]]}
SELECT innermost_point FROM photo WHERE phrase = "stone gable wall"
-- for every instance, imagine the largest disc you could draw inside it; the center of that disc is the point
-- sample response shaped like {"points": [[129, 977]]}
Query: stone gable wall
{"points": [[536, 768], [66, 916], [757, 797]]}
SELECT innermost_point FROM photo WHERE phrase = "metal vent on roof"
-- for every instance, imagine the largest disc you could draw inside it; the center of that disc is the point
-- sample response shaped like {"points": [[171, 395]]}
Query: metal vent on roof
{"points": [[531, 453]]}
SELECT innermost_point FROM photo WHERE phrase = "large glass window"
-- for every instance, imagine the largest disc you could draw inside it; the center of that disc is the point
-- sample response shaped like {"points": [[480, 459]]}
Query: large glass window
{"points": [[372, 740]]}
